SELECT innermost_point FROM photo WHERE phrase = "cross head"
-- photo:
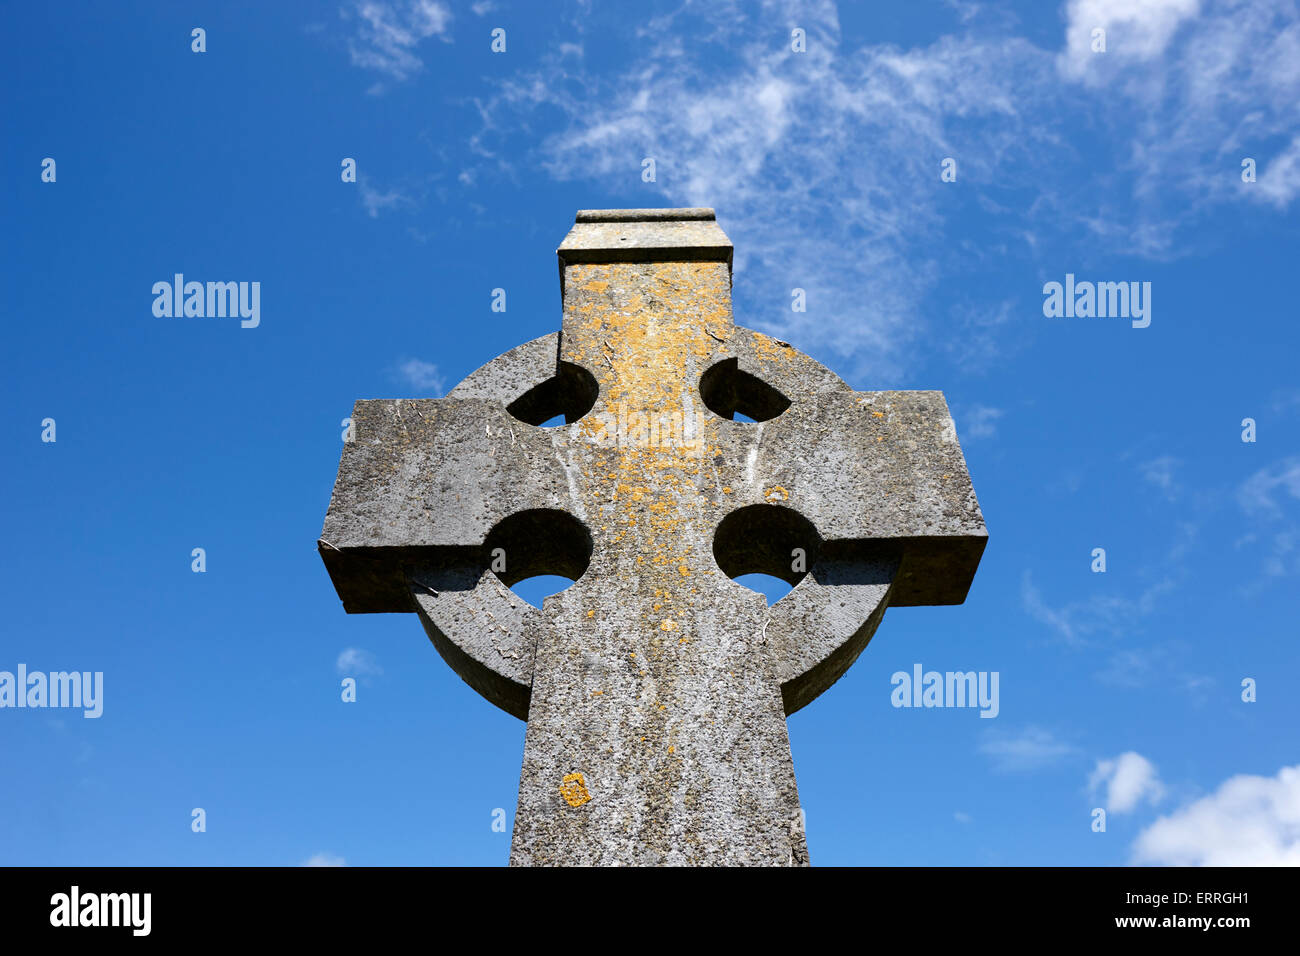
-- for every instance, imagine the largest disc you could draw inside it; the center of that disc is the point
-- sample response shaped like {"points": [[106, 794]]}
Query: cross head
{"points": [[655, 688]]}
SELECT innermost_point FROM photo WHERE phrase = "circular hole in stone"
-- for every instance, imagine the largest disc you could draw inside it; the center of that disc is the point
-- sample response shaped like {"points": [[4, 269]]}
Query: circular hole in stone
{"points": [[771, 588], [563, 398], [539, 552], [732, 393], [537, 589], [766, 548]]}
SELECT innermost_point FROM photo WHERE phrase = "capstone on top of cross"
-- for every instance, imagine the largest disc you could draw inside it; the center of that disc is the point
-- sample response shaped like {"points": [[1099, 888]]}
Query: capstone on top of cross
{"points": [[644, 235], [645, 215]]}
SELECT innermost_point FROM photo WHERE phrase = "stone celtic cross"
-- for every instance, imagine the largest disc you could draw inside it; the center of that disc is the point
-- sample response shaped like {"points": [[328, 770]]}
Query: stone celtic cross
{"points": [[655, 688]]}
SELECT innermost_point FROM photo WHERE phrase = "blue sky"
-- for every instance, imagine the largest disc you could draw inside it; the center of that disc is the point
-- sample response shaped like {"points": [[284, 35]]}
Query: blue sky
{"points": [[1119, 690]]}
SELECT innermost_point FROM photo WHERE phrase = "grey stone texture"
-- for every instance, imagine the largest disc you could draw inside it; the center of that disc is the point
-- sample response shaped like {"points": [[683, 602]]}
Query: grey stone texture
{"points": [[655, 688]]}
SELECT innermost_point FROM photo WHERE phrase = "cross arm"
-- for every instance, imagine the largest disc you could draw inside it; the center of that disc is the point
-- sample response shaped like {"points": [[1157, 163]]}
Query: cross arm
{"points": [[879, 472], [425, 481]]}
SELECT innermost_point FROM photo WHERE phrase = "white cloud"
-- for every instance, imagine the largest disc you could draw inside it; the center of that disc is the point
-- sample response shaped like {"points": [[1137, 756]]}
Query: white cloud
{"points": [[1030, 749], [1132, 668], [1285, 399], [1135, 30], [1160, 472], [1248, 821], [324, 859], [389, 32], [981, 422], [1281, 560], [1058, 619], [1201, 85], [1161, 664], [1095, 614], [965, 9], [824, 166], [354, 662], [976, 339], [1261, 496], [1258, 493], [961, 817], [1128, 780], [376, 201], [421, 376], [1278, 178]]}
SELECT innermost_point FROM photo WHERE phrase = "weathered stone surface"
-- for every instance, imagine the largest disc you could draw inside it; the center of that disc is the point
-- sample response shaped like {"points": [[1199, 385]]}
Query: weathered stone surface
{"points": [[656, 688]]}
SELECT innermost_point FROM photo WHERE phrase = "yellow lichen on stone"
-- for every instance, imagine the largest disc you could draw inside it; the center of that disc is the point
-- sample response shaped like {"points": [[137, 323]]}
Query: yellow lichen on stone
{"points": [[574, 789], [766, 347], [649, 329]]}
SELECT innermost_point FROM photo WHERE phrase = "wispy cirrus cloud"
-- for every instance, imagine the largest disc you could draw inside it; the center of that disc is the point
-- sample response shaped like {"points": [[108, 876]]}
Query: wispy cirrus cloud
{"points": [[1265, 497], [778, 142], [1197, 85], [1028, 749], [1164, 663], [376, 201], [824, 165], [1160, 473], [1259, 493], [389, 31], [1077, 622]]}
